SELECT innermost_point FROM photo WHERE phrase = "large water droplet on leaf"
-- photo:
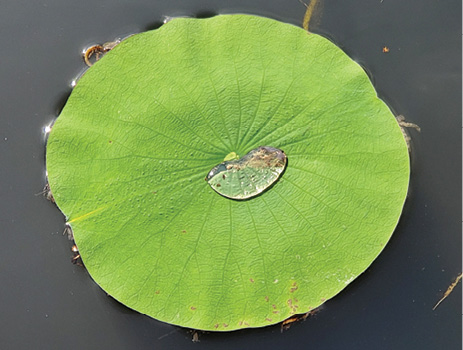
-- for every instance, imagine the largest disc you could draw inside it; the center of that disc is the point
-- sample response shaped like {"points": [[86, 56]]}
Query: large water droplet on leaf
{"points": [[249, 176]]}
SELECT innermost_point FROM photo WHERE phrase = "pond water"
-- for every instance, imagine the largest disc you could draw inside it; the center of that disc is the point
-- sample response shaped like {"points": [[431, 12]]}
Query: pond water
{"points": [[47, 302]]}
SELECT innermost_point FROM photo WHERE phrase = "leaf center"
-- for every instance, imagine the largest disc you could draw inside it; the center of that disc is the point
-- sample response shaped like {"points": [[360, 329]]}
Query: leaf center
{"points": [[249, 176]]}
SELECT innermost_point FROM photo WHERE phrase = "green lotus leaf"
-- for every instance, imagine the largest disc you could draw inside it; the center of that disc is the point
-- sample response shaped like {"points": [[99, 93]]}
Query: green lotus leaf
{"points": [[128, 157]]}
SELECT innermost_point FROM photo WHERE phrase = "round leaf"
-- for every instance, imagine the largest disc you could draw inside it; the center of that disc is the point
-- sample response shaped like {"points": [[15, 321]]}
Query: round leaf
{"points": [[128, 156]]}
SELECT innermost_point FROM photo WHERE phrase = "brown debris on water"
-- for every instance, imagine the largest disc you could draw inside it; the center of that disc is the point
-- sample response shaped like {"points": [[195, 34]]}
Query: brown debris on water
{"points": [[448, 291], [76, 258], [309, 12], [97, 51], [68, 232], [46, 192], [286, 324], [195, 337], [404, 125]]}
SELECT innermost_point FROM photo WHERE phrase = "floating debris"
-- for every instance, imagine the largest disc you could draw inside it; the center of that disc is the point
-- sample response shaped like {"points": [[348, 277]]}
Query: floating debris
{"points": [[46, 192], [448, 291], [98, 51]]}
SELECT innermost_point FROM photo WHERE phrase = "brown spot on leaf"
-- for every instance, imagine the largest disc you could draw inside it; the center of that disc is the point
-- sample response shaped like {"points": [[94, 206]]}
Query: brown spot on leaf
{"points": [[268, 319], [276, 312], [216, 326], [193, 308], [157, 292], [292, 307], [252, 281], [266, 298], [225, 325]]}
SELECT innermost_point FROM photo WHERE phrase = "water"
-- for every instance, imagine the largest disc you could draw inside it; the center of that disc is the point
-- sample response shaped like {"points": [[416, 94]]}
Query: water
{"points": [[47, 302], [248, 176]]}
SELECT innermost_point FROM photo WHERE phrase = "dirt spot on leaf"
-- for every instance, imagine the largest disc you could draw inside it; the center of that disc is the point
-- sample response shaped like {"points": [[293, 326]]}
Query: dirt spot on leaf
{"points": [[292, 307]]}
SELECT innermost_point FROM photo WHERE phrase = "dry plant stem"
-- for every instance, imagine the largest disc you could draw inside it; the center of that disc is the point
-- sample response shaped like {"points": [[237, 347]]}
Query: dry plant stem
{"points": [[308, 13], [448, 291], [286, 324]]}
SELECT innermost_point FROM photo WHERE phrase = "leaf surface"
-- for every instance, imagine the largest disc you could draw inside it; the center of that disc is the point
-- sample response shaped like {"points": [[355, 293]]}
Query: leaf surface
{"points": [[128, 157]]}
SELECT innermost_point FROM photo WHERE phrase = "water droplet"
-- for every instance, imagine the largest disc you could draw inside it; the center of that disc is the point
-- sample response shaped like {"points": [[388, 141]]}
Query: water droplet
{"points": [[47, 129], [249, 176]]}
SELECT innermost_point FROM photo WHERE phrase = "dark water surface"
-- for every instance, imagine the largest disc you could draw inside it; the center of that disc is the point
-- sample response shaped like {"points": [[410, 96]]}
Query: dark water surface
{"points": [[49, 303]]}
